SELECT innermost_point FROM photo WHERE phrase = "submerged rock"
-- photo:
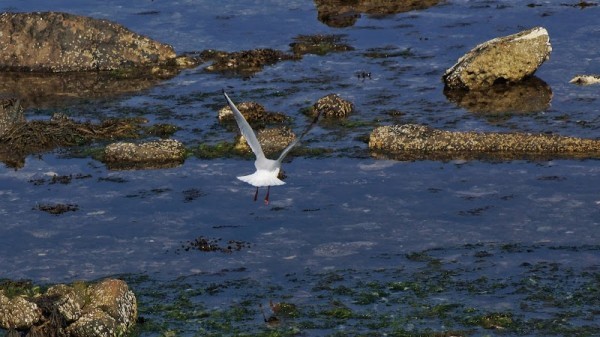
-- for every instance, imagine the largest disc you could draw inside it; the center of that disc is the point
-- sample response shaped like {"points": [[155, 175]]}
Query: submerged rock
{"points": [[254, 113], [319, 44], [246, 62], [504, 59], [105, 309], [59, 42], [528, 96], [411, 141], [147, 155], [332, 106], [341, 13]]}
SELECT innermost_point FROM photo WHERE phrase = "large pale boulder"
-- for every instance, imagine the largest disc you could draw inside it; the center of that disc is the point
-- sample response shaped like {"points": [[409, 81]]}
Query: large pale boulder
{"points": [[503, 59], [59, 42]]}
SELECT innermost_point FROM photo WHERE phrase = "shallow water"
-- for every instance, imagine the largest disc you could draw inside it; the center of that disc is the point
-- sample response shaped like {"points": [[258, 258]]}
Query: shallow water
{"points": [[341, 211]]}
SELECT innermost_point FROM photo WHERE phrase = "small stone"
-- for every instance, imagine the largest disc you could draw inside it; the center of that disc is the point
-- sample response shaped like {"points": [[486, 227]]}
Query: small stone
{"points": [[585, 79], [504, 59]]}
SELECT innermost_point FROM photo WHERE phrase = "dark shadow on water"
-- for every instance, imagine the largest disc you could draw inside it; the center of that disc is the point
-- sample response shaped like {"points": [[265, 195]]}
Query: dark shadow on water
{"points": [[503, 100], [45, 90]]}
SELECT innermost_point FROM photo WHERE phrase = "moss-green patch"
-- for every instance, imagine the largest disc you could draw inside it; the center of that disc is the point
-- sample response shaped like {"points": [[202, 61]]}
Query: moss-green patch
{"points": [[25, 288], [219, 150], [461, 294]]}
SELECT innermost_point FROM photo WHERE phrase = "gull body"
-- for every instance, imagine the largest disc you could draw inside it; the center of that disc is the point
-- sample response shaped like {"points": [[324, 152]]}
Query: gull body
{"points": [[267, 169]]}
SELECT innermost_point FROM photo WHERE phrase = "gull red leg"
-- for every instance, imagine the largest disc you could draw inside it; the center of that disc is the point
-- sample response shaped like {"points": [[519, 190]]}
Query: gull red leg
{"points": [[267, 196], [256, 194]]}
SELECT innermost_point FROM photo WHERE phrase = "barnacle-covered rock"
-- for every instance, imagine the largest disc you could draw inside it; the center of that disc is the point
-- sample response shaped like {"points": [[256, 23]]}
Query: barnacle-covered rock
{"points": [[104, 309], [412, 141], [17, 312], [116, 299], [145, 155], [332, 105], [272, 140], [503, 59]]}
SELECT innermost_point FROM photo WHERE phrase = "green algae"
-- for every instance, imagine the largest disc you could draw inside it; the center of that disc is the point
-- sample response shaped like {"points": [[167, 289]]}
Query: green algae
{"points": [[460, 294]]}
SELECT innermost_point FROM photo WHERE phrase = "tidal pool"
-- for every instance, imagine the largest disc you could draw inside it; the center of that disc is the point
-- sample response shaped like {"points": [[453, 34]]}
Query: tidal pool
{"points": [[354, 244]]}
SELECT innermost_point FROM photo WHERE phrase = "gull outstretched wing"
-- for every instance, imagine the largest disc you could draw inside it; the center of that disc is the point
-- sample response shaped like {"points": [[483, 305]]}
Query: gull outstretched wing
{"points": [[245, 129]]}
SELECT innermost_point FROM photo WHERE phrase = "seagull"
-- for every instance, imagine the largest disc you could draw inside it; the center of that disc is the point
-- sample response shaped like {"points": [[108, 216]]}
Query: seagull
{"points": [[267, 169]]}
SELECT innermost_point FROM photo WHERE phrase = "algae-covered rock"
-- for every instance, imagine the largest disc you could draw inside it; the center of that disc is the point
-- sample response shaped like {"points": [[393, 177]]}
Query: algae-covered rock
{"points": [[504, 59], [57, 42], [245, 62], [411, 141]]}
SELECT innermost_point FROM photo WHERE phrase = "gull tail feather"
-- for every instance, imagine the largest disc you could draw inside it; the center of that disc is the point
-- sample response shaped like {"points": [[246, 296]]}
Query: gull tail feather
{"points": [[262, 178]]}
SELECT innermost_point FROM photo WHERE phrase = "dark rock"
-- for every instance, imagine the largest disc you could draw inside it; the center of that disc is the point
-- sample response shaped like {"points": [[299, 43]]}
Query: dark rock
{"points": [[319, 44], [11, 114], [505, 59]]}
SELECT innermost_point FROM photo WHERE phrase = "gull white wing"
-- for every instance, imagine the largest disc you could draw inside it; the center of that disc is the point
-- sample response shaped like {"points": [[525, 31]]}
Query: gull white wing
{"points": [[245, 129], [287, 149]]}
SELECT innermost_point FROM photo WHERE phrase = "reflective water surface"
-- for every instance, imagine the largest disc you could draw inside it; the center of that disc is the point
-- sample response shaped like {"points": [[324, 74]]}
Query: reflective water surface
{"points": [[339, 211]]}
